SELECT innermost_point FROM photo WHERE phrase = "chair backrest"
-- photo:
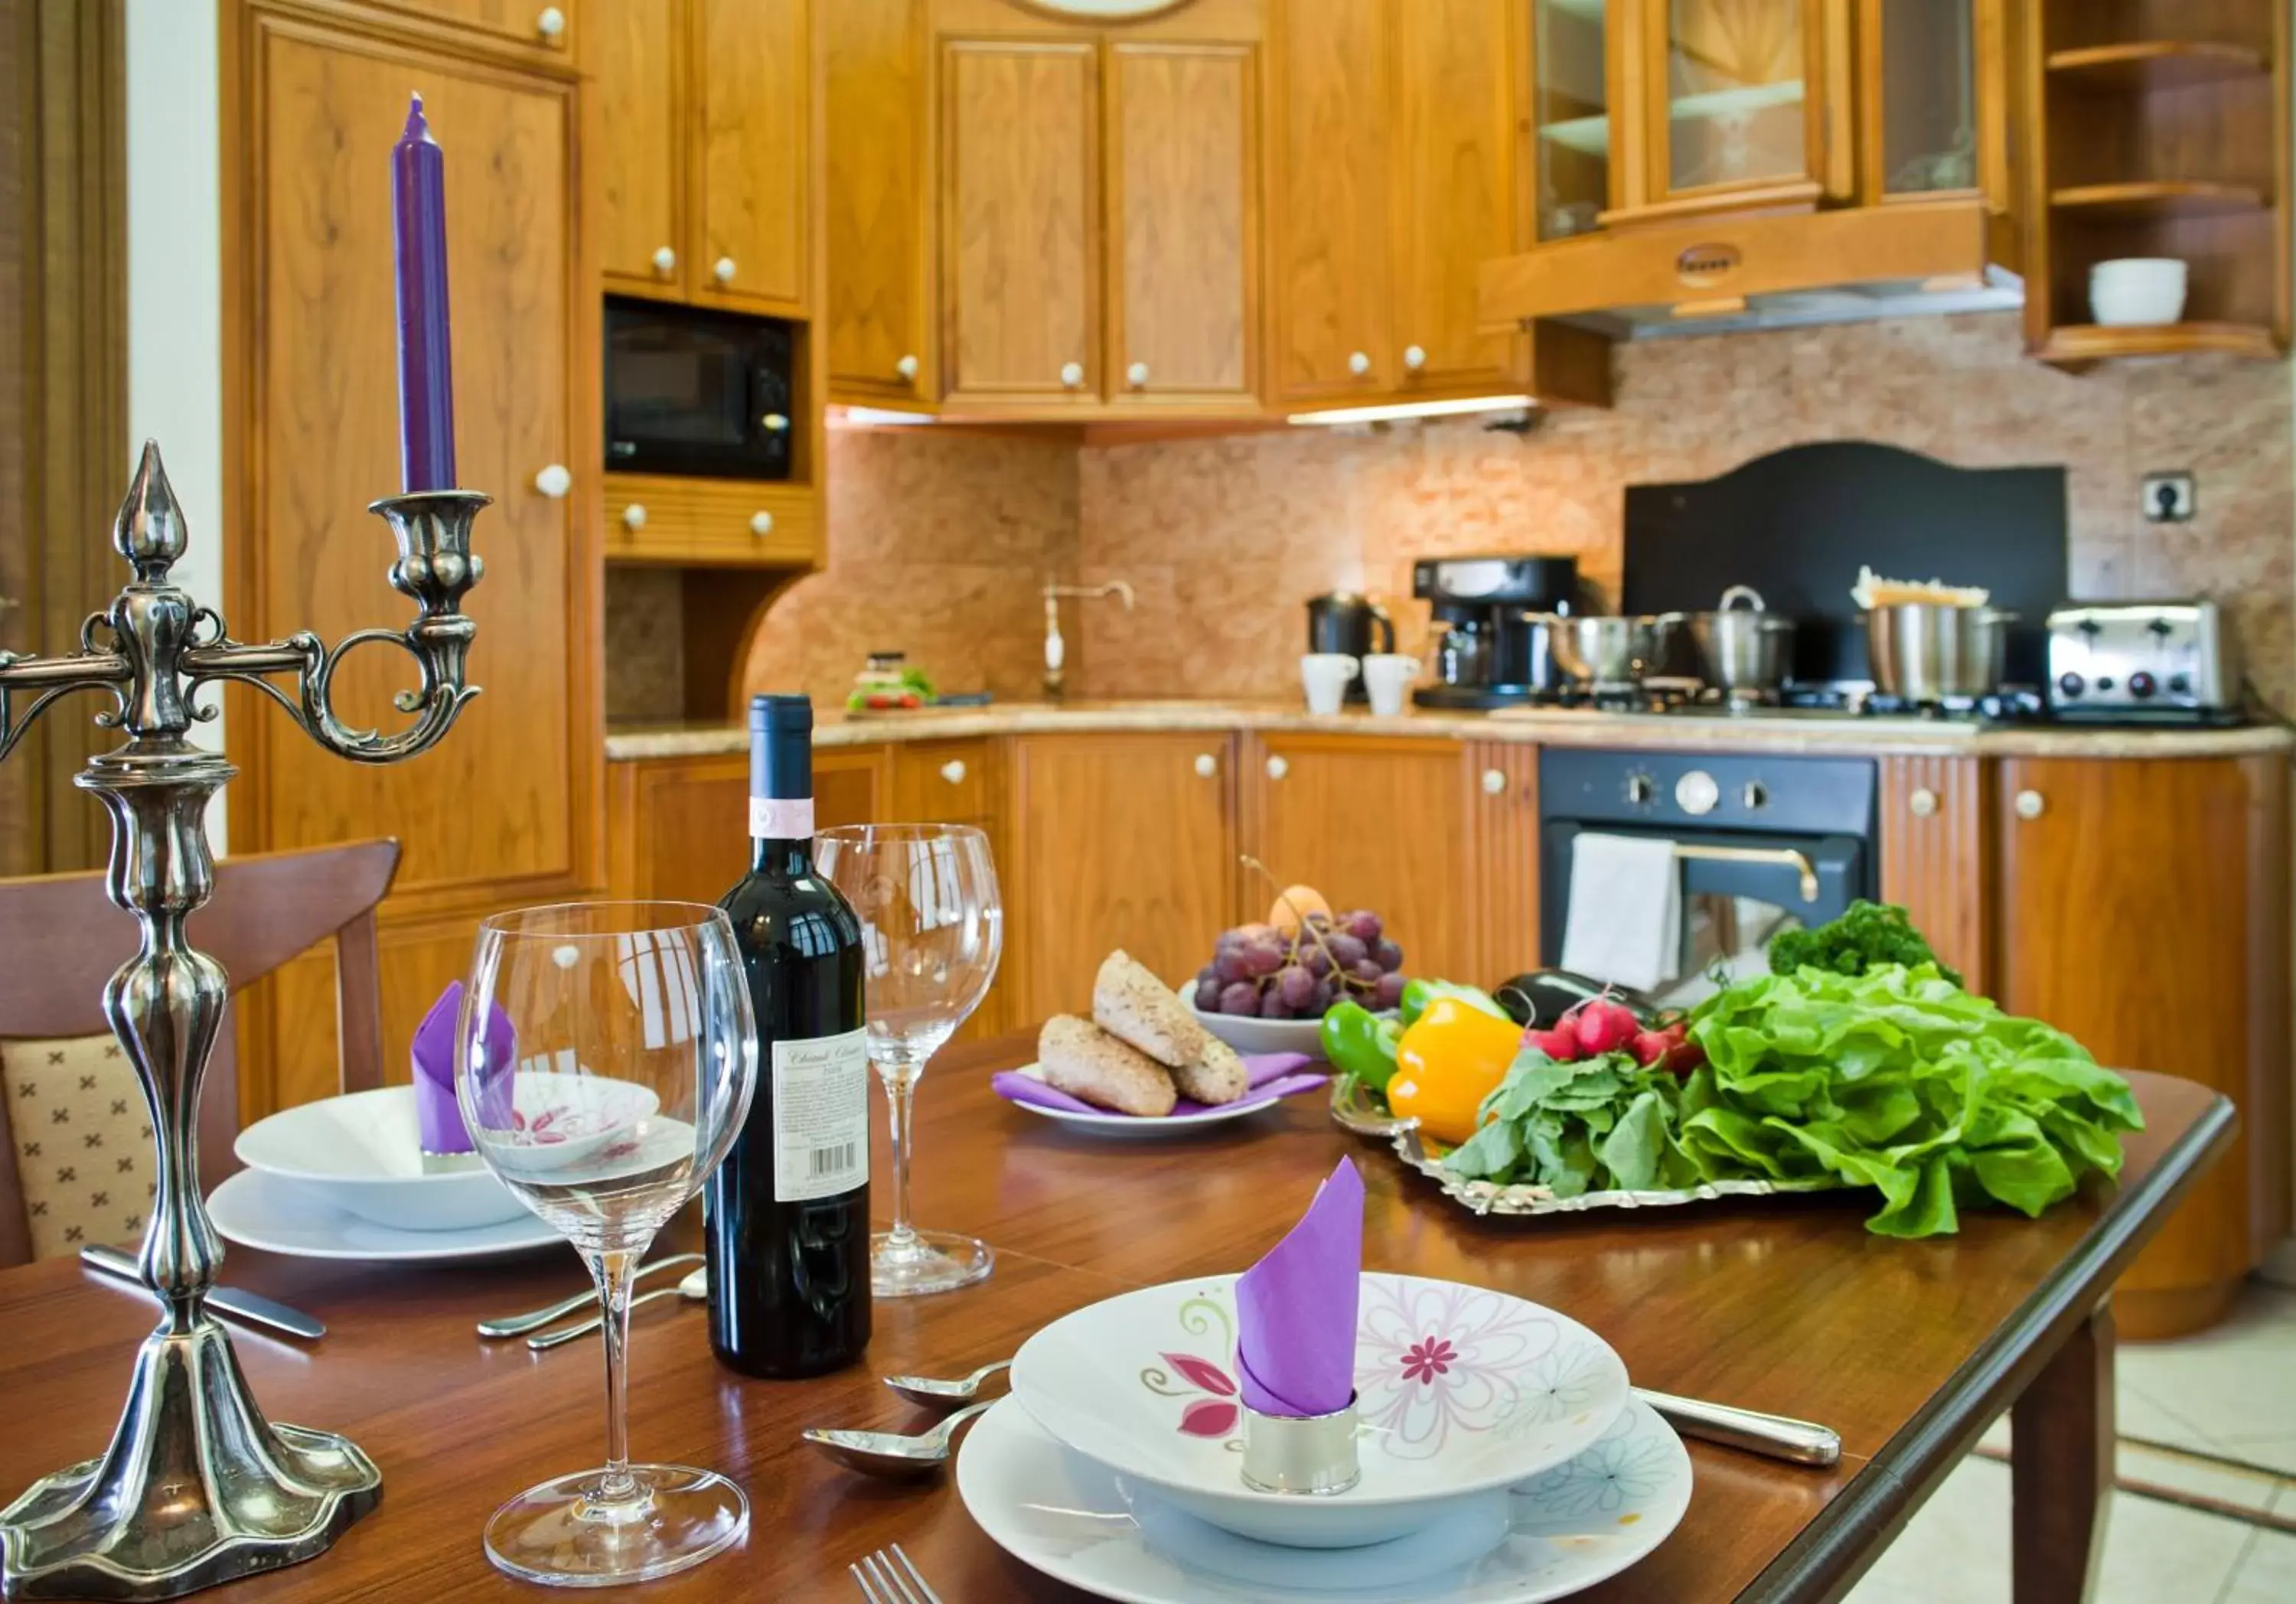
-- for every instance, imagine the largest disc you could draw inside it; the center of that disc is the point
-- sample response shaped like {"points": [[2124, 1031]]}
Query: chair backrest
{"points": [[61, 939]]}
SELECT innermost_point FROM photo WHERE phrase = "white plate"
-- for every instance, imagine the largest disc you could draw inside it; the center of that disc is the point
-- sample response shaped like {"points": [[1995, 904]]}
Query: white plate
{"points": [[1569, 1528], [1141, 1125], [362, 1152], [256, 1210], [1458, 1389]]}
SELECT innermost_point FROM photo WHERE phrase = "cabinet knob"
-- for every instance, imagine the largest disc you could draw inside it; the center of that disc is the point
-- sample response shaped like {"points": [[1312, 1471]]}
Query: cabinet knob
{"points": [[2032, 804], [761, 523], [953, 771], [776, 422], [1414, 358], [1207, 765], [553, 482], [723, 270], [634, 517], [1922, 804], [1072, 374], [1359, 362], [665, 261], [551, 23], [1137, 375], [1278, 768], [1494, 781], [908, 368]]}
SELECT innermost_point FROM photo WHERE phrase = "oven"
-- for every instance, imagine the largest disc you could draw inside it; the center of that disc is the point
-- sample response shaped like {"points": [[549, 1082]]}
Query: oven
{"points": [[694, 392], [1761, 844]]}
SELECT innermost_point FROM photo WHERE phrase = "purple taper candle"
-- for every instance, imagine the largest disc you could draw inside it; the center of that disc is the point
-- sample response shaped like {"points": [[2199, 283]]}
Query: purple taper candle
{"points": [[426, 379]]}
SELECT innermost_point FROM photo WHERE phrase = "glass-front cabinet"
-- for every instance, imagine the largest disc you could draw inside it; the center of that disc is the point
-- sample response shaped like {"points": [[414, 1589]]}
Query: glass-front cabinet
{"points": [[1924, 107], [1571, 112], [1738, 98]]}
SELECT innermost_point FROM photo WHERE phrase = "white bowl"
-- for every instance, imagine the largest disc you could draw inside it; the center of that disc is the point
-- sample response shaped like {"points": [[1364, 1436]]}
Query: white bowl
{"points": [[1247, 1033], [363, 1152], [1459, 1389], [2137, 291]]}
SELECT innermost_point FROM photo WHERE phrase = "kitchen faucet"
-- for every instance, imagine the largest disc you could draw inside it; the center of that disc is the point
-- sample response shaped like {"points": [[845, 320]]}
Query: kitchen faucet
{"points": [[1055, 648]]}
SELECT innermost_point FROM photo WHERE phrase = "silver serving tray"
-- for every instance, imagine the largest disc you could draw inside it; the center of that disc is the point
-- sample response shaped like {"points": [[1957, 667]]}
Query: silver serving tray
{"points": [[1353, 1110]]}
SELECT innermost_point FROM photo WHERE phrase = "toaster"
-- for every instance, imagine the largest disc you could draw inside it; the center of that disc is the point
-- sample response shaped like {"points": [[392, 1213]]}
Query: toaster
{"points": [[2133, 659]]}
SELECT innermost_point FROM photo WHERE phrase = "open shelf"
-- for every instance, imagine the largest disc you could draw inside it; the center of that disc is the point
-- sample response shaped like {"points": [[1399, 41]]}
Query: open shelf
{"points": [[2158, 199], [2072, 343], [2155, 64]]}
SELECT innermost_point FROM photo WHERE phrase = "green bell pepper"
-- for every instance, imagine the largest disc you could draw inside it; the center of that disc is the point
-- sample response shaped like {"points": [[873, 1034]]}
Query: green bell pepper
{"points": [[1418, 993], [1359, 1042]]}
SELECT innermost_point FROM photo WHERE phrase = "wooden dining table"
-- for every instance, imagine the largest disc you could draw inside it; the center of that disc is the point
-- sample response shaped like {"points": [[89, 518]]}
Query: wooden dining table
{"points": [[1910, 1350]]}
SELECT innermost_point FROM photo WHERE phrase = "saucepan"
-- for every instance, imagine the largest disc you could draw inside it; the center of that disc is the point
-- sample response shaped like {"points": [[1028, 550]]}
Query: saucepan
{"points": [[1926, 652], [1607, 652], [1743, 647]]}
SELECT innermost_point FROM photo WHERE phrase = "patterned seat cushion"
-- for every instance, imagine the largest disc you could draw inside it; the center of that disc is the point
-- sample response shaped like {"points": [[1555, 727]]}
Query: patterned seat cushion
{"points": [[83, 1141]]}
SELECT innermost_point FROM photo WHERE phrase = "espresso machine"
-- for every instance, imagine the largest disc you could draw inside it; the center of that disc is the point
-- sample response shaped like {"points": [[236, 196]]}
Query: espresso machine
{"points": [[1493, 650]]}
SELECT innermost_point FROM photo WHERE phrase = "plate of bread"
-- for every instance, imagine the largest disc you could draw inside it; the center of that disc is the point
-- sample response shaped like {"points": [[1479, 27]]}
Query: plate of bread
{"points": [[1142, 1063]]}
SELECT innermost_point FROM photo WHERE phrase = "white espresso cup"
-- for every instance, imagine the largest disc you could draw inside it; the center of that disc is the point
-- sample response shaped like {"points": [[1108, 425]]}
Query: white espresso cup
{"points": [[1386, 676], [1325, 676]]}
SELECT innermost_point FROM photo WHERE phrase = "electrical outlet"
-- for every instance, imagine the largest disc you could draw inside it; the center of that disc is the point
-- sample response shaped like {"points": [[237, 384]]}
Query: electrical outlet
{"points": [[2168, 498]]}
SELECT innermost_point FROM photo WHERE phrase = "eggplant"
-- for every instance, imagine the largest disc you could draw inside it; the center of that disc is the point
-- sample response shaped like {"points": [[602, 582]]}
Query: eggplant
{"points": [[1536, 999]]}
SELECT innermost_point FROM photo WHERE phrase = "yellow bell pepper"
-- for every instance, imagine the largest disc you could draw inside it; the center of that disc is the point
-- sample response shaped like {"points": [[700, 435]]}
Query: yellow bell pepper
{"points": [[1452, 1057]]}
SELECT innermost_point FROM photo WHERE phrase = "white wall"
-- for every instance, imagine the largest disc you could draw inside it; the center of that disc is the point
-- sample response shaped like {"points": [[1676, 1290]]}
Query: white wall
{"points": [[175, 282]]}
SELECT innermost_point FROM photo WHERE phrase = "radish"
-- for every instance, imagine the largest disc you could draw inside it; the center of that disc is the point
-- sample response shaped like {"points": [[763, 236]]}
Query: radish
{"points": [[1649, 1046], [1606, 1027], [1560, 1045], [1565, 1032]]}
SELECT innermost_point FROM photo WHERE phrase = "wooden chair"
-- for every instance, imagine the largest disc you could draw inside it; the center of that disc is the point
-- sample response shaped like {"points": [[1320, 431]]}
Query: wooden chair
{"points": [[61, 939]]}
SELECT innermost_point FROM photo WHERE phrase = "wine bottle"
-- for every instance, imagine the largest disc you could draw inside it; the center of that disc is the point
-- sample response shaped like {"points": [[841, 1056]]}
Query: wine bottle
{"points": [[787, 1215]]}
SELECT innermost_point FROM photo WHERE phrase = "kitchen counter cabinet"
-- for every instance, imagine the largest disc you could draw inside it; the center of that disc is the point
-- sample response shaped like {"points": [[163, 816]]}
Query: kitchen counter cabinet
{"points": [[1388, 825], [2143, 910], [1937, 850], [678, 829]]}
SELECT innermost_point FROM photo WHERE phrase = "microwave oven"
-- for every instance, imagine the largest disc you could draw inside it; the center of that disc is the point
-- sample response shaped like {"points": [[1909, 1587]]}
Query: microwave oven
{"points": [[692, 391]]}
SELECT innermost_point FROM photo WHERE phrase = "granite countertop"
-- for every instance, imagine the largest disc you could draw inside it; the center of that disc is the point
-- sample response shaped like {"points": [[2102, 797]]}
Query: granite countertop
{"points": [[1538, 726]]}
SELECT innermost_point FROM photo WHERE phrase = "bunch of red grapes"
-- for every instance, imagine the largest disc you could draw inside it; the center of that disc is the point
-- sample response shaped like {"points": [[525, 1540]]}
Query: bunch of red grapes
{"points": [[1260, 970]]}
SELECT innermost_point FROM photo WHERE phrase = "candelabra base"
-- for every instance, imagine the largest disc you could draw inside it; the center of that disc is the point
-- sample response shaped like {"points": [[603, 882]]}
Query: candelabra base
{"points": [[196, 1489]]}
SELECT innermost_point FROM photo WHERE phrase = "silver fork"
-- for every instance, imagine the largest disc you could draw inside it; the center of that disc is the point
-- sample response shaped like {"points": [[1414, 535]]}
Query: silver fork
{"points": [[519, 1325], [892, 1579]]}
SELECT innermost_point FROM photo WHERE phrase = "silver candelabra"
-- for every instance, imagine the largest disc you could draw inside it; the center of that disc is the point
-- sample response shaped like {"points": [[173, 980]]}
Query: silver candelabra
{"points": [[197, 1486]]}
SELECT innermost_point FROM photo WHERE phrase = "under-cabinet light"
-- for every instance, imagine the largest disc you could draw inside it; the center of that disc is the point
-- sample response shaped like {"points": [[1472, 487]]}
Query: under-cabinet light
{"points": [[875, 417], [1415, 409]]}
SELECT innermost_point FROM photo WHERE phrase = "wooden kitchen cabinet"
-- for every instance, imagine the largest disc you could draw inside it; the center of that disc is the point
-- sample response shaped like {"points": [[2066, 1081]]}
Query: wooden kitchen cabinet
{"points": [[533, 25], [752, 73], [2145, 911], [635, 53], [677, 828], [1936, 829], [1388, 823], [1117, 840], [1504, 875], [877, 201]]}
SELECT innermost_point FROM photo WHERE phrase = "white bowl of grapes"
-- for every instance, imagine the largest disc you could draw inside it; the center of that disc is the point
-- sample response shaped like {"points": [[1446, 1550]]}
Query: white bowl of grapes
{"points": [[1269, 984]]}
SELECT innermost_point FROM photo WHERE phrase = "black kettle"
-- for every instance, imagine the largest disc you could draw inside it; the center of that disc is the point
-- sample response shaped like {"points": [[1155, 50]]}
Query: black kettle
{"points": [[1346, 622]]}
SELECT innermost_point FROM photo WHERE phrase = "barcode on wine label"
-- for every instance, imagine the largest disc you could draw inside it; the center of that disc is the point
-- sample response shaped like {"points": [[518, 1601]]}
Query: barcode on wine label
{"points": [[822, 1163]]}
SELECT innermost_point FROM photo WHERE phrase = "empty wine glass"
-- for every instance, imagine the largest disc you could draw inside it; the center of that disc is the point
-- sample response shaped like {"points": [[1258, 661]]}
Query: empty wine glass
{"points": [[932, 930], [606, 1059]]}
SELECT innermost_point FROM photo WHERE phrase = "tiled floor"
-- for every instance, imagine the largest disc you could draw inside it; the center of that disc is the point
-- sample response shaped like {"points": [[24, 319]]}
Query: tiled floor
{"points": [[2230, 1393]]}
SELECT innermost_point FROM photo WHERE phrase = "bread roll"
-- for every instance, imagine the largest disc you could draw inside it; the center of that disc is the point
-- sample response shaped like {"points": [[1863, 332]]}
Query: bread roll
{"points": [[1131, 1004], [1217, 1075], [1078, 1057]]}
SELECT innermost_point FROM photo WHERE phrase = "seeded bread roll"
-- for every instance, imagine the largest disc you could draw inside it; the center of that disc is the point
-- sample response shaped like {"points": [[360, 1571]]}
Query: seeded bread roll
{"points": [[1078, 1057], [1217, 1075], [1130, 1002]]}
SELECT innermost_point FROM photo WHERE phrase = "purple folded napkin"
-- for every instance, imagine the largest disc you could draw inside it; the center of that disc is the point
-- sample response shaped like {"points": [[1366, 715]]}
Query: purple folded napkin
{"points": [[435, 1113], [1295, 1309], [1268, 1075]]}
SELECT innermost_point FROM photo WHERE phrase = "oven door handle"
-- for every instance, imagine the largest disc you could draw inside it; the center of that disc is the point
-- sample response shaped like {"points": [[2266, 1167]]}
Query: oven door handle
{"points": [[1785, 857]]}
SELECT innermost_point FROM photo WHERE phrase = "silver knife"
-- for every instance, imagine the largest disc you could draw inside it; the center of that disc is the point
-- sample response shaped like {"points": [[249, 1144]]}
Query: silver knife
{"points": [[250, 1306], [1773, 1436]]}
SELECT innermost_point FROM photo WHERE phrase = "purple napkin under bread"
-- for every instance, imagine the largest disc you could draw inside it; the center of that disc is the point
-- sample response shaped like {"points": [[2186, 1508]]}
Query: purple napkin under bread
{"points": [[1295, 1309], [1268, 1075]]}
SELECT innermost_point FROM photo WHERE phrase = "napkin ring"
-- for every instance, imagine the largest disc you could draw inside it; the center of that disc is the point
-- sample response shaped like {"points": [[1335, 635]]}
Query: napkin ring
{"points": [[1300, 1453]]}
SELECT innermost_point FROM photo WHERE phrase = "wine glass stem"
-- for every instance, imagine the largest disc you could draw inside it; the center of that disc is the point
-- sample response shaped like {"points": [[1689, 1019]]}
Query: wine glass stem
{"points": [[614, 1272], [900, 1099]]}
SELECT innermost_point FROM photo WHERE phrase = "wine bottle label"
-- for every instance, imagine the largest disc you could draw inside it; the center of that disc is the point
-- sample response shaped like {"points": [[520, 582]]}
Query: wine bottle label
{"points": [[781, 818], [820, 1116]]}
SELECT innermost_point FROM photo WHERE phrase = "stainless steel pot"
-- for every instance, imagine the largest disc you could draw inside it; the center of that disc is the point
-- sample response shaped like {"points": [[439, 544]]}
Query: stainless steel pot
{"points": [[1610, 652], [1742, 649], [1924, 651]]}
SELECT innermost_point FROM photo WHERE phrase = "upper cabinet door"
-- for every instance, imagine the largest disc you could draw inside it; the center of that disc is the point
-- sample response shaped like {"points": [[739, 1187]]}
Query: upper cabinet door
{"points": [[1933, 88], [754, 67], [1019, 219], [1455, 179], [1569, 117], [1329, 160], [633, 52], [877, 203], [1183, 179], [1739, 98]]}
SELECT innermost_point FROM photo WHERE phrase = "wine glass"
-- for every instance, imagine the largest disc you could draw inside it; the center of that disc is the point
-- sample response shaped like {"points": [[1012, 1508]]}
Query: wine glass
{"points": [[931, 930], [606, 1057]]}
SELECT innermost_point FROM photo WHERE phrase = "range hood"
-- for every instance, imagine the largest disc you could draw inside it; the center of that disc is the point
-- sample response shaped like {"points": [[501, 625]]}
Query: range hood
{"points": [[1764, 271]]}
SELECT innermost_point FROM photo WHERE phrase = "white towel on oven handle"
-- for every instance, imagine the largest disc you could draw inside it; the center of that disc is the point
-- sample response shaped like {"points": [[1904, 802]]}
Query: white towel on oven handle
{"points": [[1624, 919]]}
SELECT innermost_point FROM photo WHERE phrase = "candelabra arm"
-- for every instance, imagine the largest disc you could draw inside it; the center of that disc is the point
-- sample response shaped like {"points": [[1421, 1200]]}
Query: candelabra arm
{"points": [[47, 678]]}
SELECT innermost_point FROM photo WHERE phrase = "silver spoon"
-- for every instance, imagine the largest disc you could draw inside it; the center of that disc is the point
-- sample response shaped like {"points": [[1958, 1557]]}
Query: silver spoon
{"points": [[892, 1453], [519, 1325], [695, 1285], [936, 1393]]}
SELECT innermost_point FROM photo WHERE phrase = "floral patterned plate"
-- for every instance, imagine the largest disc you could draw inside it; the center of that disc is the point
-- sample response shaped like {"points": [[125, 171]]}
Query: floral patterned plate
{"points": [[1458, 1389], [1563, 1531]]}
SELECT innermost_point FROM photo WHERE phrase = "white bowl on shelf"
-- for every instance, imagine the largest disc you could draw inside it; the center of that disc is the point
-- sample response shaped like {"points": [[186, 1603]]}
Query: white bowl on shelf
{"points": [[2137, 291]]}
